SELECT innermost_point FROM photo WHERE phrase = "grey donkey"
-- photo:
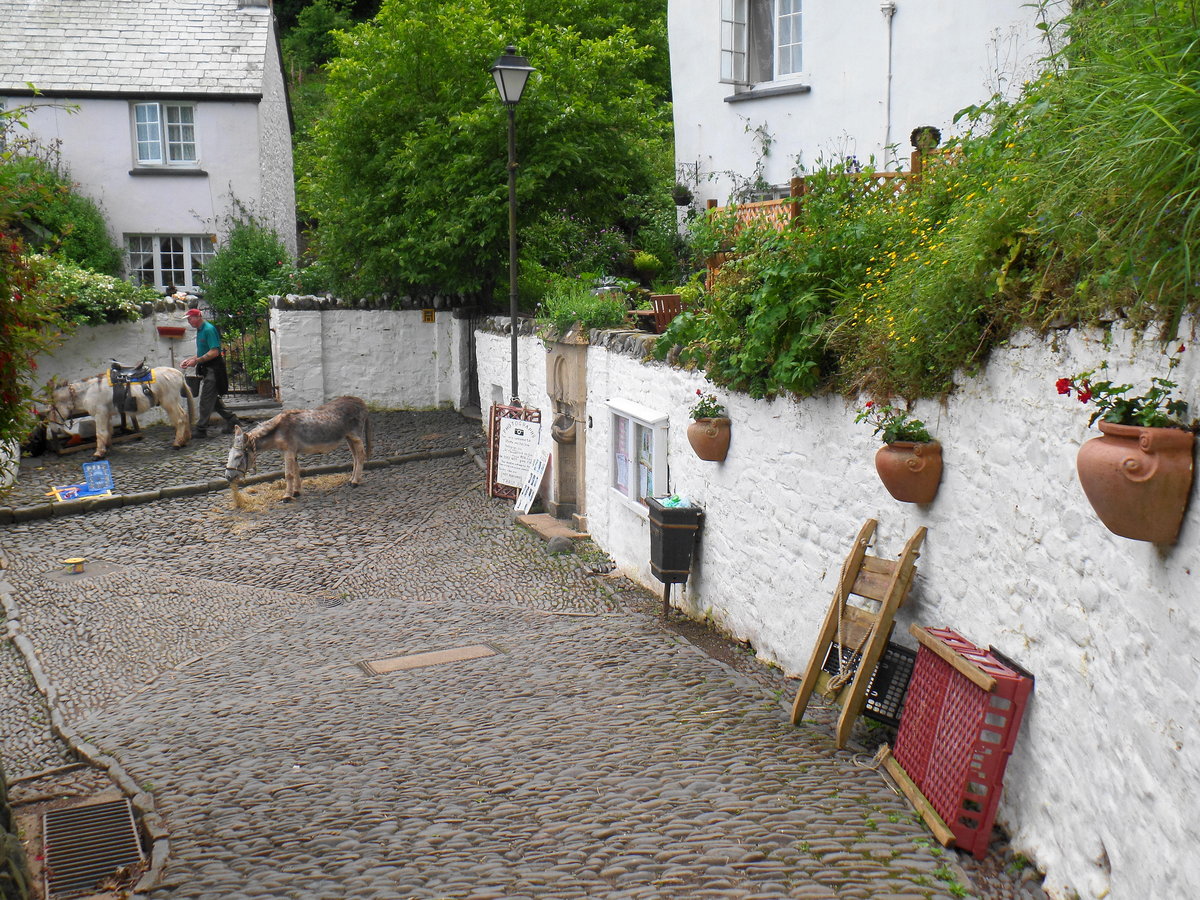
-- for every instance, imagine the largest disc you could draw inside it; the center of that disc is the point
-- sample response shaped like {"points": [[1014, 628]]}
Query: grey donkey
{"points": [[296, 431]]}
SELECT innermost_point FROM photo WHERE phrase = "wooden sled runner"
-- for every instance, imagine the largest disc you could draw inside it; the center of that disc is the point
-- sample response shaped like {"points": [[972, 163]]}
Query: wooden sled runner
{"points": [[856, 631]]}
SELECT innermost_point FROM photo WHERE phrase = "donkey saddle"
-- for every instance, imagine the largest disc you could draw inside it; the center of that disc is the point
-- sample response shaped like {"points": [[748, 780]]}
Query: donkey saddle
{"points": [[123, 377]]}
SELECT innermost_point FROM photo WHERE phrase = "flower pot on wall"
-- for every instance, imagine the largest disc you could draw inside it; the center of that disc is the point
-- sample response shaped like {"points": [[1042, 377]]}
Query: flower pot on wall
{"points": [[1138, 479], [709, 438], [910, 471]]}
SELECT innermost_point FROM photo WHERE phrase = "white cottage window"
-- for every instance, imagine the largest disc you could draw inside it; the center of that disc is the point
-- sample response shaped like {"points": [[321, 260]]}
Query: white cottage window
{"points": [[638, 459], [165, 134], [164, 259], [760, 40]]}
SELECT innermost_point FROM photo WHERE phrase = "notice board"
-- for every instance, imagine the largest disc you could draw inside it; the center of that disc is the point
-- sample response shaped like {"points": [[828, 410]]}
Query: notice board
{"points": [[514, 433]]}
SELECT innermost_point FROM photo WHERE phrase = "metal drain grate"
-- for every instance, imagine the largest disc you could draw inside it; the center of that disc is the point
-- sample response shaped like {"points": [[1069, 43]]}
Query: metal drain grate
{"points": [[86, 844]]}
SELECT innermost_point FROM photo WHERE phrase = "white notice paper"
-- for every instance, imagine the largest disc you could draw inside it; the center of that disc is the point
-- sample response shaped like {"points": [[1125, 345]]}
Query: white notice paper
{"points": [[518, 443], [533, 480]]}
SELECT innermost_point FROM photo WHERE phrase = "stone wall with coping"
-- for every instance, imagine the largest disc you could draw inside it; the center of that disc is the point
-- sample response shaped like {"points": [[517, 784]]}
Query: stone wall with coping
{"points": [[321, 349], [393, 359], [1106, 773]]}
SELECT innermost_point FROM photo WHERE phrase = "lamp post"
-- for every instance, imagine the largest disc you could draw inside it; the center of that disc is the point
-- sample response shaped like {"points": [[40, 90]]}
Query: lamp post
{"points": [[511, 72]]}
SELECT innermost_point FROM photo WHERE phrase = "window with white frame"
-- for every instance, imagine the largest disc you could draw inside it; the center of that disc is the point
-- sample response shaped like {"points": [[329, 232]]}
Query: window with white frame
{"points": [[788, 58], [638, 457], [760, 40], [165, 134], [164, 259]]}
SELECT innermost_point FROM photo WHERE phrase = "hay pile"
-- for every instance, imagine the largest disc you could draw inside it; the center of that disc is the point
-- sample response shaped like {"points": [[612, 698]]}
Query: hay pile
{"points": [[262, 497]]}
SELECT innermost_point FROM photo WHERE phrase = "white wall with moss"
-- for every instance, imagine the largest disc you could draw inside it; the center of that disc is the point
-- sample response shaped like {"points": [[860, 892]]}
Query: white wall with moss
{"points": [[1105, 778]]}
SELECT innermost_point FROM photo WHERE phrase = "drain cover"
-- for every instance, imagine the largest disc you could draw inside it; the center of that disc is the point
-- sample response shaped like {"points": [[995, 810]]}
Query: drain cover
{"points": [[86, 844], [419, 660]]}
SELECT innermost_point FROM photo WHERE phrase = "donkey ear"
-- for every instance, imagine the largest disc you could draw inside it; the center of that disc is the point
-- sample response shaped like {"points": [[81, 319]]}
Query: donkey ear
{"points": [[237, 430]]}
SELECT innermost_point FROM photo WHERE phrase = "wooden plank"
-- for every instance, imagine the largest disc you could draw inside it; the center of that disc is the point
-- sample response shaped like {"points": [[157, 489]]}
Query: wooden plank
{"points": [[66, 450], [924, 808], [873, 585], [873, 649], [829, 628], [963, 665]]}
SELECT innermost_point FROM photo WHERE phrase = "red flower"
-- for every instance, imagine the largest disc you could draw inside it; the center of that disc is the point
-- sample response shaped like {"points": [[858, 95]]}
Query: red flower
{"points": [[870, 403], [1063, 385], [1085, 392], [699, 393], [1181, 348]]}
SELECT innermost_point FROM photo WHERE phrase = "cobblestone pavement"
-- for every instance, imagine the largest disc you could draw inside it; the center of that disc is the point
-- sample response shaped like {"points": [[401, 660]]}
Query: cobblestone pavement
{"points": [[217, 654]]}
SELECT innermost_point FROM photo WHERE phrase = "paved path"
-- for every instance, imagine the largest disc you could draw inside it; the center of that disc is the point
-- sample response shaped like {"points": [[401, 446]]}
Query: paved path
{"points": [[217, 654]]}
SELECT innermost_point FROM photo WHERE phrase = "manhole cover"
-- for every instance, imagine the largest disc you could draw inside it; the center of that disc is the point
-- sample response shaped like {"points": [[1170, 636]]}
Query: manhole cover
{"points": [[87, 844], [420, 660]]}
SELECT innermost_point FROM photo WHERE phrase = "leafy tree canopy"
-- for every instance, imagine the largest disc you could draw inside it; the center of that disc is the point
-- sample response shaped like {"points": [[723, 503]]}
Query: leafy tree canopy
{"points": [[406, 174]]}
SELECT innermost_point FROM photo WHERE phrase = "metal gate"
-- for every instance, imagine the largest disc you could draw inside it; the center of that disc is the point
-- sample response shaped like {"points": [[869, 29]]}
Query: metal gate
{"points": [[246, 340]]}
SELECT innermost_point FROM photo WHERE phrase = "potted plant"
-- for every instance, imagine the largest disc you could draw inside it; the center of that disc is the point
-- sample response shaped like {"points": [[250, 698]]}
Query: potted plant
{"points": [[1138, 474], [910, 461], [709, 433]]}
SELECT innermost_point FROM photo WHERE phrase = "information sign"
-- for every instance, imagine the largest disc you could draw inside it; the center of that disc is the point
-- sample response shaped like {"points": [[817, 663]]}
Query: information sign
{"points": [[533, 480], [513, 436]]}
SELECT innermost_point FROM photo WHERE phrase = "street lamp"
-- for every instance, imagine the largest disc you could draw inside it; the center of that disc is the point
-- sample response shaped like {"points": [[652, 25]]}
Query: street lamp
{"points": [[511, 72]]}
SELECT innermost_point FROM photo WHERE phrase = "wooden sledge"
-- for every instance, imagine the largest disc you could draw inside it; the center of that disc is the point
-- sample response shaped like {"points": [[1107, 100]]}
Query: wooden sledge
{"points": [[858, 631]]}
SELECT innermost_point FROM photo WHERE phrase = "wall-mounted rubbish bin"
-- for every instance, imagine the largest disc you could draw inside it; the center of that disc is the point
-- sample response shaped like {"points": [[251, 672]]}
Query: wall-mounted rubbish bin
{"points": [[673, 534]]}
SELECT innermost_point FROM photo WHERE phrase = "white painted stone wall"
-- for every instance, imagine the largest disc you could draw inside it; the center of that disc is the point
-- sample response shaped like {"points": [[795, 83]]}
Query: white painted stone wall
{"points": [[390, 358], [89, 349], [1102, 788], [943, 56]]}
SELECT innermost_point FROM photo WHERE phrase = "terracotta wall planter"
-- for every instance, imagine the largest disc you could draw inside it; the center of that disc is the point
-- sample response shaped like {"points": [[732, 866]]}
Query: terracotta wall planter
{"points": [[910, 471], [1138, 479], [709, 438]]}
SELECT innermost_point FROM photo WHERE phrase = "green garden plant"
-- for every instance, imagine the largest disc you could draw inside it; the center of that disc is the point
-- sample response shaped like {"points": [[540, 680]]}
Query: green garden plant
{"points": [[891, 423], [1156, 407], [1075, 199], [250, 266], [572, 300]]}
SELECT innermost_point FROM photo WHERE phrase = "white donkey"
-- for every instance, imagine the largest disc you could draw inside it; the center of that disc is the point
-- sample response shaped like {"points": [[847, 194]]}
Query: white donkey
{"points": [[296, 431], [94, 397]]}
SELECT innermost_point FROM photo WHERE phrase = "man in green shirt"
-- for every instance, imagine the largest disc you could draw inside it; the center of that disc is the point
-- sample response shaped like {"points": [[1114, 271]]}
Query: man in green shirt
{"points": [[210, 366]]}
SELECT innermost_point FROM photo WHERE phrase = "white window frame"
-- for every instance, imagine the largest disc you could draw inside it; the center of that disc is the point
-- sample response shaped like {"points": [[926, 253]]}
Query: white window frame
{"points": [[162, 259], [788, 22], [165, 134], [734, 41], [756, 36], [637, 454]]}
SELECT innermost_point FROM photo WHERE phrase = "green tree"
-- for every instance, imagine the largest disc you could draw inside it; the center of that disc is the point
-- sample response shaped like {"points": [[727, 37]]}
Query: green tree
{"points": [[55, 218], [405, 175]]}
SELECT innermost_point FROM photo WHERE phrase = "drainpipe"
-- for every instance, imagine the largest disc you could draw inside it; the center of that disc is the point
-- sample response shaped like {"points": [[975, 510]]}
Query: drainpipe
{"points": [[888, 8]]}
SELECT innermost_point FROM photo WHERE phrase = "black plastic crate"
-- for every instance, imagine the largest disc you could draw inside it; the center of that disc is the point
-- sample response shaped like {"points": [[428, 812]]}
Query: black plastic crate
{"points": [[888, 684]]}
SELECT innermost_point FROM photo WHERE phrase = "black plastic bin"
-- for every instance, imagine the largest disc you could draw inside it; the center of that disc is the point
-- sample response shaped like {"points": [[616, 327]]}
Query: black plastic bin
{"points": [[673, 534]]}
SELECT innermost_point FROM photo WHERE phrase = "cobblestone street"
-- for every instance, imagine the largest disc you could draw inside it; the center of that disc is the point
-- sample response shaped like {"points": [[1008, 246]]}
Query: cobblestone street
{"points": [[219, 654]]}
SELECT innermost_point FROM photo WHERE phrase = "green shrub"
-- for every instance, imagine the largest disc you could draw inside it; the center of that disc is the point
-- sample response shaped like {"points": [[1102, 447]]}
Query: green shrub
{"points": [[252, 264], [1077, 199], [83, 297], [55, 218]]}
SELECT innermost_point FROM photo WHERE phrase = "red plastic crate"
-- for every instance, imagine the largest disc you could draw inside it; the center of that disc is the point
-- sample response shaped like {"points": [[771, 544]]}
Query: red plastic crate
{"points": [[955, 737]]}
